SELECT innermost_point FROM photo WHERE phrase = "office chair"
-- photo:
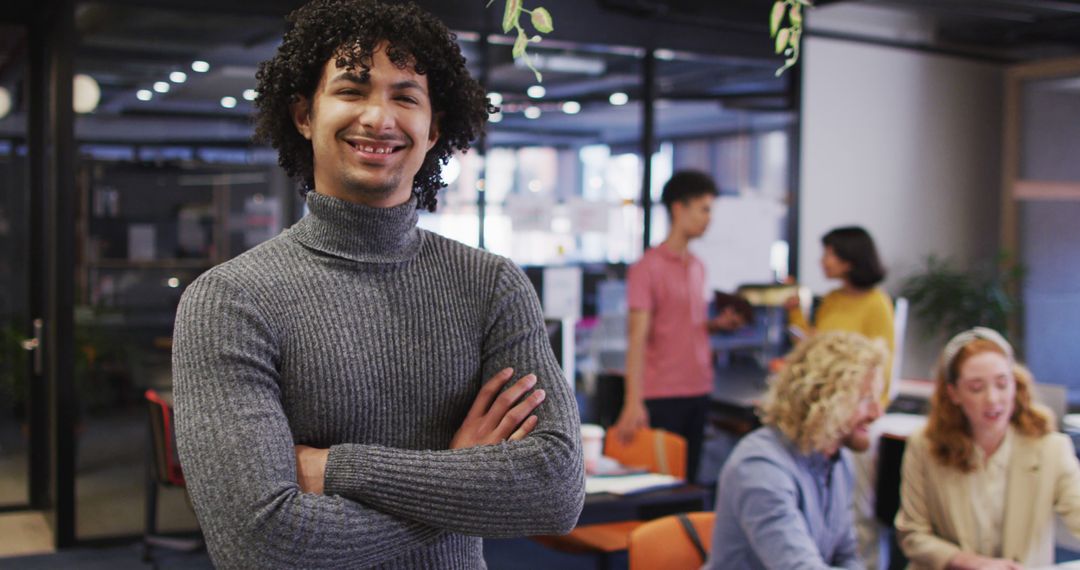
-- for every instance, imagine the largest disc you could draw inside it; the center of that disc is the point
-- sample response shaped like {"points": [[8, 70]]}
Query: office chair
{"points": [[674, 542], [654, 450], [162, 469]]}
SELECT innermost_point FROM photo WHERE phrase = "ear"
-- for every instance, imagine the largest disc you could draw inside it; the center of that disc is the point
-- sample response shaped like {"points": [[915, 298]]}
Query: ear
{"points": [[433, 132], [300, 110]]}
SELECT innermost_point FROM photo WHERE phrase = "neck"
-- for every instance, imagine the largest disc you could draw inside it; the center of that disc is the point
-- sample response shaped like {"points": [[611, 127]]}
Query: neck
{"points": [[359, 232], [677, 242], [990, 442], [850, 289]]}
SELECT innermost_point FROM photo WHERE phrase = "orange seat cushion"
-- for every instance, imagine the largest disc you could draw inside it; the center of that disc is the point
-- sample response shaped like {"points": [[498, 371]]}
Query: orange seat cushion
{"points": [[604, 537]]}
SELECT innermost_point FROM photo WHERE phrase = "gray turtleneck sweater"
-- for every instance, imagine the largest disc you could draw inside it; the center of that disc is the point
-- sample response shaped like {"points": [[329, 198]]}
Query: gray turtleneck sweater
{"points": [[356, 330]]}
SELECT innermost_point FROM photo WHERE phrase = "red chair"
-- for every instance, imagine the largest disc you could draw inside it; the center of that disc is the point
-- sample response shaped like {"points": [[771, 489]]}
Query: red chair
{"points": [[162, 469]]}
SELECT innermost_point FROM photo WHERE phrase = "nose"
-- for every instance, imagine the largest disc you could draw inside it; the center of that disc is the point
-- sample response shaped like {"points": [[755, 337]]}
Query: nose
{"points": [[875, 409], [377, 115]]}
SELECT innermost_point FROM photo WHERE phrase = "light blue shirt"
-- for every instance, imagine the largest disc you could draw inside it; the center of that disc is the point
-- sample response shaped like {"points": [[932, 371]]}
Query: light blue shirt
{"points": [[777, 508]]}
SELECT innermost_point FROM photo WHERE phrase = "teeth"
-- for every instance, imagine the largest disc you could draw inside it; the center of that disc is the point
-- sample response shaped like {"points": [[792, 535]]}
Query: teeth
{"points": [[376, 150]]}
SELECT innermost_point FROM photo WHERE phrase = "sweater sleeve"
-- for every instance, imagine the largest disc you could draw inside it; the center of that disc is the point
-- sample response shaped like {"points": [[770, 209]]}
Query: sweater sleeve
{"points": [[914, 526], [532, 486], [236, 449]]}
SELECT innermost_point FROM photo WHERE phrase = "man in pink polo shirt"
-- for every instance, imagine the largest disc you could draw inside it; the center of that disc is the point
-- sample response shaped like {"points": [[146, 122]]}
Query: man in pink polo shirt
{"points": [[669, 372]]}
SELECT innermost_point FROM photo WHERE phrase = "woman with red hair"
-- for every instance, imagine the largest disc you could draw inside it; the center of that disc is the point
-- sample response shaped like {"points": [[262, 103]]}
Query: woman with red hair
{"points": [[981, 483]]}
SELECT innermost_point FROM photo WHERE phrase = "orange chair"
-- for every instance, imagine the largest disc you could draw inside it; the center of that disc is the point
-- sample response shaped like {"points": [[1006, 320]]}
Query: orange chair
{"points": [[668, 543], [162, 469], [654, 450]]}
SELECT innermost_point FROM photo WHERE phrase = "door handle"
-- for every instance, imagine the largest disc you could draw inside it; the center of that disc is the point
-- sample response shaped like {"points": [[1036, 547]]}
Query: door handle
{"points": [[34, 345]]}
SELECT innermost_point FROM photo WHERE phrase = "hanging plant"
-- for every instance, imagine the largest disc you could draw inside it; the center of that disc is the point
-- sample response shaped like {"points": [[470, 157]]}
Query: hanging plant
{"points": [[541, 21], [786, 39]]}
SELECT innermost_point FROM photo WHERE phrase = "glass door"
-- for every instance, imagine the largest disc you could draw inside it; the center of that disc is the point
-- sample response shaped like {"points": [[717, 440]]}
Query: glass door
{"points": [[22, 399]]}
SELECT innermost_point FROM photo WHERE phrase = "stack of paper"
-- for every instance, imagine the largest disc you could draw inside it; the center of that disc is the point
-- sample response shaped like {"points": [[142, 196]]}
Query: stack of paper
{"points": [[629, 484]]}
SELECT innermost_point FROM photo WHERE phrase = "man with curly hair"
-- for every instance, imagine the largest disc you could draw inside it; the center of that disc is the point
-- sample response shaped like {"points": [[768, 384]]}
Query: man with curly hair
{"points": [[358, 392], [784, 495]]}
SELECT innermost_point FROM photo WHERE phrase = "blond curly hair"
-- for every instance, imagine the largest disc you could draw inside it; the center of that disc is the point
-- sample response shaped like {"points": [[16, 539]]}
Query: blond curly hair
{"points": [[811, 400]]}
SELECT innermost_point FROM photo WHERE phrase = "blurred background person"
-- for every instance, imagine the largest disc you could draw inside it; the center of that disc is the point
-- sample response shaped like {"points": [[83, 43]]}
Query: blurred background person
{"points": [[669, 371], [982, 481], [783, 498]]}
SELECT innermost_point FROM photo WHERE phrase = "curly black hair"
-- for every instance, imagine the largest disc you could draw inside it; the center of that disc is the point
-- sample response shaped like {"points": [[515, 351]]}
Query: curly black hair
{"points": [[349, 30]]}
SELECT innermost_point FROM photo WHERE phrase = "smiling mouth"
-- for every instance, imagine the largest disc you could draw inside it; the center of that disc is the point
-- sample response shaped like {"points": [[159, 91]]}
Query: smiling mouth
{"points": [[374, 148]]}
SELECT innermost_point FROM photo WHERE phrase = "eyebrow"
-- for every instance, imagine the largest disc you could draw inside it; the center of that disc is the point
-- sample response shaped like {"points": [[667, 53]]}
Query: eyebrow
{"points": [[353, 77]]}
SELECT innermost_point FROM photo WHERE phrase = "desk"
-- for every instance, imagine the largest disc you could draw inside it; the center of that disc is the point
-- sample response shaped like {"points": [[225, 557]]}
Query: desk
{"points": [[606, 507]]}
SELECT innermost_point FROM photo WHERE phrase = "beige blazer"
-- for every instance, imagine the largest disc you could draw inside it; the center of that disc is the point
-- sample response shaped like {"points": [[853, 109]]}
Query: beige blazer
{"points": [[935, 523]]}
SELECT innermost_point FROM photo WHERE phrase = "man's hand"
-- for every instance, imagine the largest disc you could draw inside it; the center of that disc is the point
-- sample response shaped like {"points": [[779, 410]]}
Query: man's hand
{"points": [[311, 468], [634, 416], [792, 302], [495, 417]]}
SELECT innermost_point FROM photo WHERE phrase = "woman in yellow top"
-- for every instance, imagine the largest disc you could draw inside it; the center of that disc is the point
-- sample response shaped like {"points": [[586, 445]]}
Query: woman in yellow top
{"points": [[981, 483], [858, 305]]}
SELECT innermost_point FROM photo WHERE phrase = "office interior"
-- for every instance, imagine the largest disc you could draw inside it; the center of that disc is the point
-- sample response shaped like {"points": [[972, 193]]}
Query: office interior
{"points": [[947, 129]]}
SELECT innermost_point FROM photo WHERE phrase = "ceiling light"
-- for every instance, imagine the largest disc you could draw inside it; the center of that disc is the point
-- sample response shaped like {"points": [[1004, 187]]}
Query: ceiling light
{"points": [[535, 186], [87, 94], [173, 282], [250, 94], [495, 98], [5, 102], [532, 112], [536, 91], [144, 94], [178, 77], [664, 54], [571, 107], [161, 86], [495, 117], [200, 66], [228, 102], [618, 98]]}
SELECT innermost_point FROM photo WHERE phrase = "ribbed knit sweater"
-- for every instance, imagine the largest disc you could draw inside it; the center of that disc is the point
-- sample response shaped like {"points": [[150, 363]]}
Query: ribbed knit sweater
{"points": [[356, 330]]}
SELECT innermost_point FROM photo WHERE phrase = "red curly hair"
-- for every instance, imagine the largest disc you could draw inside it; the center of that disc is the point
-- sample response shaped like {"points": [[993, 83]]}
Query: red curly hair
{"points": [[948, 429]]}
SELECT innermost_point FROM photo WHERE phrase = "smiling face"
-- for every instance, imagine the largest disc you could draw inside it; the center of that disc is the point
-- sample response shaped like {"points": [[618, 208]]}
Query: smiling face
{"points": [[866, 412], [369, 134], [985, 390]]}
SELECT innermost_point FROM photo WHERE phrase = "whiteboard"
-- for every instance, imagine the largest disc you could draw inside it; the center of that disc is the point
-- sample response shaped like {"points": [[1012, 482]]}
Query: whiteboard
{"points": [[736, 247]]}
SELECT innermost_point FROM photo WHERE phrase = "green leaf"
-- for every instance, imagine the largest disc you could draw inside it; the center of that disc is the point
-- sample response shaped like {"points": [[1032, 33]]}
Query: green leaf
{"points": [[796, 15], [782, 39], [510, 16], [519, 45], [541, 20], [777, 15]]}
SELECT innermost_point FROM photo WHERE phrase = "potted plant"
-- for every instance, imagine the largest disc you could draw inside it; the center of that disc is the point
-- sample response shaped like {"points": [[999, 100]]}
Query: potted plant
{"points": [[947, 299]]}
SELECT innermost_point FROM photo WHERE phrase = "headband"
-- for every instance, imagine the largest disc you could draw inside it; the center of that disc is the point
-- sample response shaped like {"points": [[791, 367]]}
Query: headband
{"points": [[958, 342]]}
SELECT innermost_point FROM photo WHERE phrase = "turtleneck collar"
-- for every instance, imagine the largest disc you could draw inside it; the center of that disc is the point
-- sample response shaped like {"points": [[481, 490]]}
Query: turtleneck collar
{"points": [[358, 232]]}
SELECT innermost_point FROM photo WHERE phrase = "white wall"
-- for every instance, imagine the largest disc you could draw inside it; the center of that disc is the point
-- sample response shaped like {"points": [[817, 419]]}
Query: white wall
{"points": [[906, 144]]}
